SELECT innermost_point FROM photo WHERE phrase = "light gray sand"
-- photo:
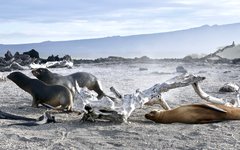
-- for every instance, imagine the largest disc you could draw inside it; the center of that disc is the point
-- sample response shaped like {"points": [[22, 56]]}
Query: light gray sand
{"points": [[139, 133]]}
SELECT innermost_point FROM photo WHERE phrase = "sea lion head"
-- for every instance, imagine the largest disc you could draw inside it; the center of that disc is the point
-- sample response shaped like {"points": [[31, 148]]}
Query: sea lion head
{"points": [[153, 115], [41, 73], [14, 75], [19, 78]]}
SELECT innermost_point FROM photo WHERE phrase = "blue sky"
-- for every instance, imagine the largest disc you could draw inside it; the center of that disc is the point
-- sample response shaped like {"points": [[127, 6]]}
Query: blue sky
{"points": [[27, 21]]}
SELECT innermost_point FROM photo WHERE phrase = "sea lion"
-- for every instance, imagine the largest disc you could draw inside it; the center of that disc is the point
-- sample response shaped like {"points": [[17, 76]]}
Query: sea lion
{"points": [[83, 79], [53, 95], [195, 113]]}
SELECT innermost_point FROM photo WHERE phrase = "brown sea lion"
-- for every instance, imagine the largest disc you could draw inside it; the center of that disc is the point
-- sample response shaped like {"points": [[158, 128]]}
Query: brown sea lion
{"points": [[195, 113], [53, 95], [83, 79]]}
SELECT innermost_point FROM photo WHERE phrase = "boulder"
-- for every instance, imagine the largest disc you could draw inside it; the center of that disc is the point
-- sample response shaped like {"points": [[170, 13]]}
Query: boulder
{"points": [[67, 58], [143, 69], [181, 69], [236, 61], [229, 87], [53, 58], [16, 55], [32, 53], [2, 62], [8, 56]]}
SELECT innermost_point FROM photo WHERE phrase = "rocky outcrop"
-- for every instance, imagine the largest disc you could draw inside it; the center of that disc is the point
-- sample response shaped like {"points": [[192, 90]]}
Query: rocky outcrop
{"points": [[57, 58], [2, 62], [31, 59], [236, 61], [116, 59]]}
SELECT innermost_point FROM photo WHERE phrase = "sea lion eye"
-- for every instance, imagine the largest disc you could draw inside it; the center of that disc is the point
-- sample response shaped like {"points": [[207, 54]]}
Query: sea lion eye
{"points": [[153, 112]]}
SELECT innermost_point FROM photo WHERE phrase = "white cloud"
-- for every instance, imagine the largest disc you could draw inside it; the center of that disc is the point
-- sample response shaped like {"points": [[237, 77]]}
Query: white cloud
{"points": [[36, 21]]}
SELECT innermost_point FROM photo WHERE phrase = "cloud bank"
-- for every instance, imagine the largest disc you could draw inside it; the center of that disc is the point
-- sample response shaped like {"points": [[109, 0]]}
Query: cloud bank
{"points": [[27, 21]]}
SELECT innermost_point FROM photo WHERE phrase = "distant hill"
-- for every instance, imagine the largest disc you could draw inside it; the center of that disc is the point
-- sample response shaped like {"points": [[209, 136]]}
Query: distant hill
{"points": [[177, 44]]}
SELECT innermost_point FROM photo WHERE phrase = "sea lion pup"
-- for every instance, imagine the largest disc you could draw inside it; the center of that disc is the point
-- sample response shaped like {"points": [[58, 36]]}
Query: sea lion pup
{"points": [[53, 95], [83, 79], [195, 113]]}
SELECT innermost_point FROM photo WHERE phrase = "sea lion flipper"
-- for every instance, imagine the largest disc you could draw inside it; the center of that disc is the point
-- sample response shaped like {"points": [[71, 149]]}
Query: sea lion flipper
{"points": [[215, 108]]}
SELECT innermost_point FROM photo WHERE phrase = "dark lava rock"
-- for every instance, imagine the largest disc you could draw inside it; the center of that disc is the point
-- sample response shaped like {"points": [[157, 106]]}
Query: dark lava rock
{"points": [[181, 69], [229, 87], [8, 56], [32, 53]]}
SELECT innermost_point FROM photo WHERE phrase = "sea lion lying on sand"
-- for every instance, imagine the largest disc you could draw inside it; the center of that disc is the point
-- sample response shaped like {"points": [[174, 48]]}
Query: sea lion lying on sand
{"points": [[53, 95], [195, 113], [83, 79]]}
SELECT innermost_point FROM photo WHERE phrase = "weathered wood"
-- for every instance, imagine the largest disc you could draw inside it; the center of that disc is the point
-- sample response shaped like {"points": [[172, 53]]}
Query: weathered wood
{"points": [[44, 119], [130, 102], [54, 64], [215, 100], [205, 96]]}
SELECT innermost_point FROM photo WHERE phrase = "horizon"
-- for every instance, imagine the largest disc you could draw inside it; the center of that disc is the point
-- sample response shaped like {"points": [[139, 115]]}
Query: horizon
{"points": [[27, 21]]}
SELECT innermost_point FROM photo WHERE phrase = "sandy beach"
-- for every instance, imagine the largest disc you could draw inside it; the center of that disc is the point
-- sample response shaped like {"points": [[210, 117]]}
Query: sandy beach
{"points": [[138, 133]]}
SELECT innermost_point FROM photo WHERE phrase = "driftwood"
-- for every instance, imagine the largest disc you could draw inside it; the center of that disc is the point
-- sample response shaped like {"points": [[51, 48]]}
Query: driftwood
{"points": [[45, 118], [53, 64], [120, 111], [205, 96]]}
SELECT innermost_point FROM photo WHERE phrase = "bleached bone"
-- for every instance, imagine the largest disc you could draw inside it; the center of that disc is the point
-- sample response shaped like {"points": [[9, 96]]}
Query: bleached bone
{"points": [[130, 102], [154, 93], [158, 100], [205, 96], [215, 100], [87, 97]]}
